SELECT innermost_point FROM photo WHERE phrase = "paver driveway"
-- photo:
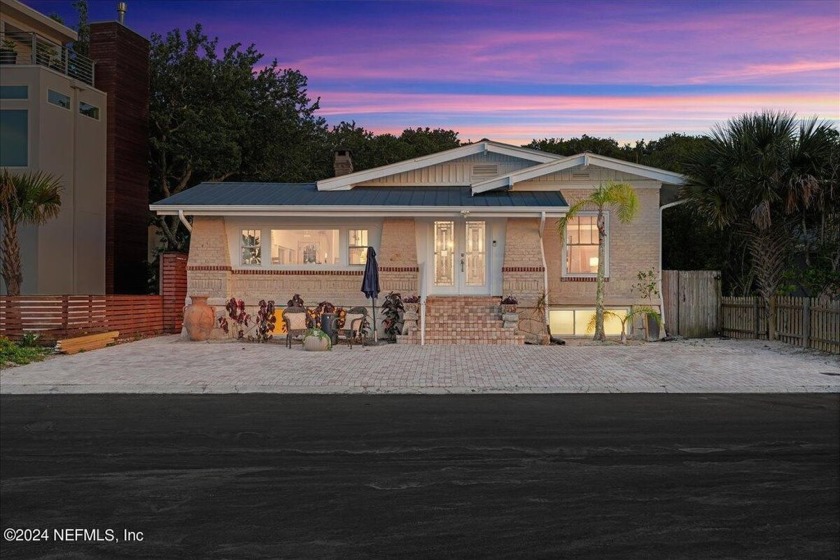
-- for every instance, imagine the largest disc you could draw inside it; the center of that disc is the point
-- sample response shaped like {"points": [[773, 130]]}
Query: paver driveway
{"points": [[171, 365]]}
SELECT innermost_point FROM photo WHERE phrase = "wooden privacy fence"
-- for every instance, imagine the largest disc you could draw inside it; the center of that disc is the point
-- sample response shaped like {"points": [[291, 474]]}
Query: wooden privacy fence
{"points": [[807, 322], [55, 317], [692, 302]]}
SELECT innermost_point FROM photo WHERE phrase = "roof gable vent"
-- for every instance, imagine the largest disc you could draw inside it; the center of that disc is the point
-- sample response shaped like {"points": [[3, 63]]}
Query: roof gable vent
{"points": [[485, 170]]}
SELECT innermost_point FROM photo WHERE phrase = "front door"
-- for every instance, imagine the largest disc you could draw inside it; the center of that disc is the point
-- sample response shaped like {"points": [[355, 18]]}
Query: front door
{"points": [[460, 257]]}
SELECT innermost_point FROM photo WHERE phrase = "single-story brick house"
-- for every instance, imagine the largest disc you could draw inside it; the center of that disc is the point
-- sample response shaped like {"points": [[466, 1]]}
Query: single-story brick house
{"points": [[458, 228]]}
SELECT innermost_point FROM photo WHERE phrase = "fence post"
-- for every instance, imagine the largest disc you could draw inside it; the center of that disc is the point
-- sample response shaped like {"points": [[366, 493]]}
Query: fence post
{"points": [[65, 314], [756, 317], [806, 322]]}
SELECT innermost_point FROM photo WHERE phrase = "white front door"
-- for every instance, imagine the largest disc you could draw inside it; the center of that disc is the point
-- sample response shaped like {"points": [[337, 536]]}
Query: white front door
{"points": [[460, 257]]}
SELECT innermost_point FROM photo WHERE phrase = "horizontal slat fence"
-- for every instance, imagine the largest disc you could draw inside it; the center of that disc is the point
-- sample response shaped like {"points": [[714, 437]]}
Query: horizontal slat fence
{"points": [[807, 322], [56, 317]]}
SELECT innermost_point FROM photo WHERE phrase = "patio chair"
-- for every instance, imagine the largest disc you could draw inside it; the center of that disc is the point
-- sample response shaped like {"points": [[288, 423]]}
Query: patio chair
{"points": [[354, 322], [295, 320]]}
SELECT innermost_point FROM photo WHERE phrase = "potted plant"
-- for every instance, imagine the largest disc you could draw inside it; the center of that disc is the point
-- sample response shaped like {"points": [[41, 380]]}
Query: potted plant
{"points": [[315, 339], [508, 304], [411, 304], [647, 288], [392, 309], [8, 51]]}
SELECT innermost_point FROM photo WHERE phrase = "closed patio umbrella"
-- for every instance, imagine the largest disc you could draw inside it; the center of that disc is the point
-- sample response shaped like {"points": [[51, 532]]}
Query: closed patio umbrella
{"points": [[370, 283]]}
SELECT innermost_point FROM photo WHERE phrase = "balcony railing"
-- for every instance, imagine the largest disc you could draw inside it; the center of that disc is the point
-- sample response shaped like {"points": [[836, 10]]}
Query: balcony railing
{"points": [[31, 48]]}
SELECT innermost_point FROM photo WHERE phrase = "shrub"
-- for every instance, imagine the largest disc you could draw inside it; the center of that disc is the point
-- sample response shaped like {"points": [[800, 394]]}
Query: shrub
{"points": [[16, 354]]}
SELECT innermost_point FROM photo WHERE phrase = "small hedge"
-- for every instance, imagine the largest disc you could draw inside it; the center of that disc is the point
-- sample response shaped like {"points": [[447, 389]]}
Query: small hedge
{"points": [[16, 354]]}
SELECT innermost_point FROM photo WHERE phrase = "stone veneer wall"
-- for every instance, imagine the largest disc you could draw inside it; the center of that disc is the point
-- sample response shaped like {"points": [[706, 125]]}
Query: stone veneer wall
{"points": [[633, 247], [397, 257]]}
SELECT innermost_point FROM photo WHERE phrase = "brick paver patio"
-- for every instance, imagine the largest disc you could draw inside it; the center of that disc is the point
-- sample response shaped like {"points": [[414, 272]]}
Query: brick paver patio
{"points": [[171, 365]]}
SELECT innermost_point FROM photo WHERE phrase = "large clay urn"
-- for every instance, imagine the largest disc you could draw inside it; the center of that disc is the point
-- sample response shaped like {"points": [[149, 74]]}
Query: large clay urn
{"points": [[199, 319]]}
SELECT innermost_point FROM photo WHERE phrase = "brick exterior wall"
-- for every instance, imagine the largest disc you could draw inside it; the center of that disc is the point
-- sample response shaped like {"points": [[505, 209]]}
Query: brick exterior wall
{"points": [[210, 272], [633, 247], [208, 267], [523, 275], [397, 257]]}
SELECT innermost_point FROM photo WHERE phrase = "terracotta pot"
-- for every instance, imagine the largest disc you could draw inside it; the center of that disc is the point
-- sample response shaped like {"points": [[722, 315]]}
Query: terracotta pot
{"points": [[199, 319]]}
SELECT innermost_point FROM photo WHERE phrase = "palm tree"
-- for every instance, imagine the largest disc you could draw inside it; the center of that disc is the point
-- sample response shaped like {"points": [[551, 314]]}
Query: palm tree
{"points": [[30, 198], [759, 175], [644, 310], [623, 199]]}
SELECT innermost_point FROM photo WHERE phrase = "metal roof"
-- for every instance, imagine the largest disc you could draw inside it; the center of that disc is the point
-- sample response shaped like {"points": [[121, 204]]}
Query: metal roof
{"points": [[223, 195]]}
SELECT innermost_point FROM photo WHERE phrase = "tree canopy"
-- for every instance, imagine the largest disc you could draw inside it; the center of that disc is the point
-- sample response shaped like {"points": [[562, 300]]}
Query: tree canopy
{"points": [[217, 115], [771, 181]]}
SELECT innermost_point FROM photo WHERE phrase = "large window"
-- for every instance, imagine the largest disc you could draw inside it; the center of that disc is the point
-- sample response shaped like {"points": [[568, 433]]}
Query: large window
{"points": [[309, 247], [14, 138], [581, 258], [250, 247], [575, 322]]}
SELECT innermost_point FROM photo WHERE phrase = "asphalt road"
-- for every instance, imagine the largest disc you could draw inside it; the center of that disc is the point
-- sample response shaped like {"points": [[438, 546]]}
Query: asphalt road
{"points": [[495, 476]]}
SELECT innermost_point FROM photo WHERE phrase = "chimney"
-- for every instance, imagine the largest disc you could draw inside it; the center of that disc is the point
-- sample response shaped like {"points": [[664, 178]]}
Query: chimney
{"points": [[343, 164], [121, 9]]}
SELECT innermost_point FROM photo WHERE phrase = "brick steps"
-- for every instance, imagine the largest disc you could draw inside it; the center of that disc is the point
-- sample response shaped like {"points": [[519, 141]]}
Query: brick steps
{"points": [[464, 320]]}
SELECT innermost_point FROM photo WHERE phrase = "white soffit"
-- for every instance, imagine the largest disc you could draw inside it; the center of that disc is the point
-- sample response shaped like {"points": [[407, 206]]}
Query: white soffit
{"points": [[579, 160], [347, 182]]}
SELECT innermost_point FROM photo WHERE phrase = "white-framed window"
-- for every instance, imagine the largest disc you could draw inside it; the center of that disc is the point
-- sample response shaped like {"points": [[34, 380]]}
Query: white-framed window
{"points": [[305, 247], [59, 99], [89, 110], [357, 245], [250, 247], [580, 250], [574, 321]]}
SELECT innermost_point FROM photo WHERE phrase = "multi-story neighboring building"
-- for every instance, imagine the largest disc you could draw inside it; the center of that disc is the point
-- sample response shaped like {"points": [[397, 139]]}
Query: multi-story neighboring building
{"points": [[54, 119], [84, 120]]}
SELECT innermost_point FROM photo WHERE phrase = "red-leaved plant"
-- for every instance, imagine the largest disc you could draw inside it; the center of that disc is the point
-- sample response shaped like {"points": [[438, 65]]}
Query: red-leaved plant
{"points": [[265, 321], [236, 313]]}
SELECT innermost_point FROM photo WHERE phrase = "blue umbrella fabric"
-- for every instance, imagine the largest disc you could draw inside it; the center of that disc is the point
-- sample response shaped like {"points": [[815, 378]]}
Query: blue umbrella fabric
{"points": [[370, 283]]}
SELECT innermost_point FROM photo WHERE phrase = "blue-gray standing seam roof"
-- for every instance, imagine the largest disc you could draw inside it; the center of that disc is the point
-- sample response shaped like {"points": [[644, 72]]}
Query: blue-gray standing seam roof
{"points": [[307, 194]]}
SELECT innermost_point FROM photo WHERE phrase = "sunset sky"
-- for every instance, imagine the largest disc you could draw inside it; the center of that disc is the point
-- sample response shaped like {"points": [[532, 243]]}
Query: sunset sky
{"points": [[515, 71]]}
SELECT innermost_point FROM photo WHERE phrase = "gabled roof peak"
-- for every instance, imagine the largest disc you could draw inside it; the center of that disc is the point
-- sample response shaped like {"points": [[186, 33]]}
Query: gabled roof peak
{"points": [[346, 182], [578, 160]]}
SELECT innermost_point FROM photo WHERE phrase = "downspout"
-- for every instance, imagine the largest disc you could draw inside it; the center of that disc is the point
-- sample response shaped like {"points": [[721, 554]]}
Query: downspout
{"points": [[545, 269], [184, 221], [659, 282]]}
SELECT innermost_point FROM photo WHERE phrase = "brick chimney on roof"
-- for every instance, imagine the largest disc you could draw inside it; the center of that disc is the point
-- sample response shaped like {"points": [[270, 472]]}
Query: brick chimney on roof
{"points": [[343, 163]]}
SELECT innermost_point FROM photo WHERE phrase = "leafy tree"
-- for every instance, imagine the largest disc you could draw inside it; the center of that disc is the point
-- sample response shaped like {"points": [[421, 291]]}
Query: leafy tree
{"points": [[215, 116], [30, 198], [622, 198], [601, 146], [760, 175], [82, 44], [373, 150]]}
